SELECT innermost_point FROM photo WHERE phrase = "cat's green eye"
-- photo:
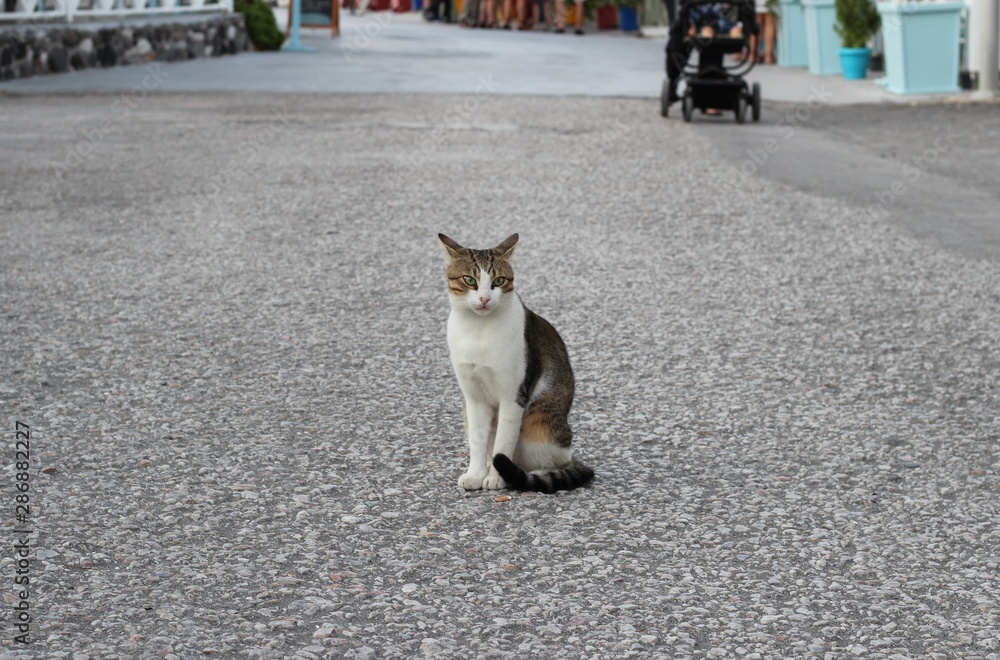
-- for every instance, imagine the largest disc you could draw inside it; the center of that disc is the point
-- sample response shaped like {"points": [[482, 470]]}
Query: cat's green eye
{"points": [[469, 281], [499, 281]]}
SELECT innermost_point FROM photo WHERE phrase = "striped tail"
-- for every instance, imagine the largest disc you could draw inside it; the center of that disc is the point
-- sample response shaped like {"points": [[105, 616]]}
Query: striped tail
{"points": [[572, 476]]}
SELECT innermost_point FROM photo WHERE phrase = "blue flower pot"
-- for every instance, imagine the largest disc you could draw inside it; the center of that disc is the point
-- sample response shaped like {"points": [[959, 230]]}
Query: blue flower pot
{"points": [[628, 20], [793, 49], [822, 40], [854, 61], [921, 46]]}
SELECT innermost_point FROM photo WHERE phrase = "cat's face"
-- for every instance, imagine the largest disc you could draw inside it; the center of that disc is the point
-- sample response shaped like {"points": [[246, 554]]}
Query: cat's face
{"points": [[480, 280]]}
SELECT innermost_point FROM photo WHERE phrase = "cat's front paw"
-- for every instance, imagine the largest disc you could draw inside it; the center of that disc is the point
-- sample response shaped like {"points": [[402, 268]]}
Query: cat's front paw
{"points": [[471, 481], [494, 481]]}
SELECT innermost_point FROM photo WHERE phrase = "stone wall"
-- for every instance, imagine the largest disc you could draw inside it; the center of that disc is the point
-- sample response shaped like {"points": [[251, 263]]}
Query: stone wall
{"points": [[36, 50]]}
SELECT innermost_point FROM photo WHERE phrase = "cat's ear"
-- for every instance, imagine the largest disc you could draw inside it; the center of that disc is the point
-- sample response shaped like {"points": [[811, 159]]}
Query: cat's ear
{"points": [[453, 249], [506, 249]]}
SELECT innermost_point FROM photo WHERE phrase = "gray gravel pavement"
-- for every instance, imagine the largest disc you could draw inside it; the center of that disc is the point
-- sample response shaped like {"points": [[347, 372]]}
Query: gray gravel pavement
{"points": [[941, 157], [246, 433]]}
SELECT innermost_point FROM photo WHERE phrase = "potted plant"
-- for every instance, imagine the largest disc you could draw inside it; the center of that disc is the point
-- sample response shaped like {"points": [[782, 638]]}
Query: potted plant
{"points": [[856, 22], [261, 24], [628, 15], [922, 46]]}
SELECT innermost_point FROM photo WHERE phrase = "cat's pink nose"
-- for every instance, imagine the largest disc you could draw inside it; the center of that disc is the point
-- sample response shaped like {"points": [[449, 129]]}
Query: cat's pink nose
{"points": [[484, 299]]}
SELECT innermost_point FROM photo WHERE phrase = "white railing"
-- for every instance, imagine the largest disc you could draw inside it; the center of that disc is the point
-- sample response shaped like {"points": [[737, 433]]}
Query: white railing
{"points": [[35, 11]]}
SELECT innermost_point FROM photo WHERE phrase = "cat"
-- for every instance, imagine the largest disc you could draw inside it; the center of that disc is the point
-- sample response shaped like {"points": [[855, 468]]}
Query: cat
{"points": [[515, 376]]}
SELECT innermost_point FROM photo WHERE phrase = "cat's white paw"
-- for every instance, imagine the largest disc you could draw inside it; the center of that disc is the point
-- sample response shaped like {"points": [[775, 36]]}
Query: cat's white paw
{"points": [[494, 481], [471, 481]]}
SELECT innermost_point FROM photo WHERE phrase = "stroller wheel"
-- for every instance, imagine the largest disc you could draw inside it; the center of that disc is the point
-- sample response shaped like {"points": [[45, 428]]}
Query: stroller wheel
{"points": [[755, 102], [665, 99], [741, 109], [687, 106]]}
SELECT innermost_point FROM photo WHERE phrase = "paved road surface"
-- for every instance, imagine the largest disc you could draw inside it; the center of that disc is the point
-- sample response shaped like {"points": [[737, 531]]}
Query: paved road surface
{"points": [[852, 153], [929, 169], [222, 316]]}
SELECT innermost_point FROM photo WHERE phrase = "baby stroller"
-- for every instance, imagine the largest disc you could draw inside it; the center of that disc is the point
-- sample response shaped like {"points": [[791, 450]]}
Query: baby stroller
{"points": [[715, 29]]}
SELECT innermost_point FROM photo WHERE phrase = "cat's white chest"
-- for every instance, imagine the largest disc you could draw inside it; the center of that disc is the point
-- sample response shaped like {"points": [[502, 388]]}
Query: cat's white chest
{"points": [[488, 353]]}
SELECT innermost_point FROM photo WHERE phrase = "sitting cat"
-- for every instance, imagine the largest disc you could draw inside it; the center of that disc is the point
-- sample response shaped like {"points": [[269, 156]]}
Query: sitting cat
{"points": [[515, 376]]}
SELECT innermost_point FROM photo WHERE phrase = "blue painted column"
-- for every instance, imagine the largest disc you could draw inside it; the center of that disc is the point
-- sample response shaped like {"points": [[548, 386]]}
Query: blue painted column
{"points": [[793, 48], [821, 40], [294, 44]]}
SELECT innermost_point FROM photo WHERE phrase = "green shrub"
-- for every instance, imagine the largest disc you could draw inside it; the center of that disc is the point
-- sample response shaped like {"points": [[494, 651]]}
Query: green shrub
{"points": [[857, 22], [261, 26]]}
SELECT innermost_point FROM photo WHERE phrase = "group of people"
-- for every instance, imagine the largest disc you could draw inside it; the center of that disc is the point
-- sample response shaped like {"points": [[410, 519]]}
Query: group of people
{"points": [[540, 14], [510, 14]]}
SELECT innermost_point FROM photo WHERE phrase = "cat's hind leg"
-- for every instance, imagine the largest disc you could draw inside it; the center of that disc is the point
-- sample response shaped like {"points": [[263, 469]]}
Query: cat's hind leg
{"points": [[544, 460], [545, 441]]}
